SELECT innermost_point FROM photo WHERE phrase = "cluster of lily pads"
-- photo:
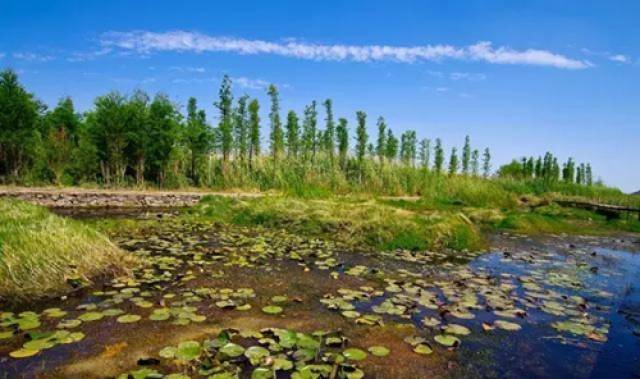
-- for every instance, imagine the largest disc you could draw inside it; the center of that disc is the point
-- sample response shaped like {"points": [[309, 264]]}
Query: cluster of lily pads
{"points": [[446, 299], [265, 354]]}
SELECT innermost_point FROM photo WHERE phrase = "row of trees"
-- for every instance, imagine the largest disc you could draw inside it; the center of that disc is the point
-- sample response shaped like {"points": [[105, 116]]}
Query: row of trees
{"points": [[138, 139], [548, 168]]}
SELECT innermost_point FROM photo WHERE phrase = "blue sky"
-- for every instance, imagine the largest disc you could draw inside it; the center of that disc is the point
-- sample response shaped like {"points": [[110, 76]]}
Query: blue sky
{"points": [[519, 77]]}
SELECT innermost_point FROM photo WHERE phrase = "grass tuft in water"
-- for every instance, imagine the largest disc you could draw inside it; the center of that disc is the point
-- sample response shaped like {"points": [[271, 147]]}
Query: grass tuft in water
{"points": [[44, 255]]}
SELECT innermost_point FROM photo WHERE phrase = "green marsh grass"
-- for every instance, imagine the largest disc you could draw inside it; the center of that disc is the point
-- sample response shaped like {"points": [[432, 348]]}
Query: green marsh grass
{"points": [[41, 253]]}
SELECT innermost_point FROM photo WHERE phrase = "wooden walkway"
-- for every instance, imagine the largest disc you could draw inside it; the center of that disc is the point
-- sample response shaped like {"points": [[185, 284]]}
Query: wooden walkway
{"points": [[609, 210]]}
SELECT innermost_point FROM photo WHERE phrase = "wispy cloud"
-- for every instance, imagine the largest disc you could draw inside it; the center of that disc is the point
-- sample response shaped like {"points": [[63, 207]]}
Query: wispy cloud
{"points": [[89, 56], [619, 58], [187, 69], [146, 42], [471, 76], [248, 83], [33, 57]]}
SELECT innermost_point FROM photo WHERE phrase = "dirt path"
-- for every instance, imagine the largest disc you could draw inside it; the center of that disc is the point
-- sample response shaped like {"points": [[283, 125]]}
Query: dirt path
{"points": [[83, 197]]}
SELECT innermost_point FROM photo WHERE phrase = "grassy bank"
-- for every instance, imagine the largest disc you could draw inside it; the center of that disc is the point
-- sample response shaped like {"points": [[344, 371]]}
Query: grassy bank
{"points": [[459, 218], [44, 255]]}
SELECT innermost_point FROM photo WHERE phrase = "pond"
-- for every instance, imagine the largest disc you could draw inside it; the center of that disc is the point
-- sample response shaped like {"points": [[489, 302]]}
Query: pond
{"points": [[225, 302]]}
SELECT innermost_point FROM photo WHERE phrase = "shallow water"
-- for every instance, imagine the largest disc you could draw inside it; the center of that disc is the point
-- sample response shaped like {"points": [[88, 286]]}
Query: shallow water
{"points": [[536, 284]]}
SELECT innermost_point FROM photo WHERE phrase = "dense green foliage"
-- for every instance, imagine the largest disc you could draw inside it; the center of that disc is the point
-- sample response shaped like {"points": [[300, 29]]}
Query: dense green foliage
{"points": [[139, 140]]}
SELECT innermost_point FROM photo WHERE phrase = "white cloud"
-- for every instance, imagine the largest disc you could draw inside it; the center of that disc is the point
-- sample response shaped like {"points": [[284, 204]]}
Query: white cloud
{"points": [[248, 83], [442, 89], [145, 42], [187, 69], [619, 58], [2, 55], [82, 57], [27, 56], [474, 77]]}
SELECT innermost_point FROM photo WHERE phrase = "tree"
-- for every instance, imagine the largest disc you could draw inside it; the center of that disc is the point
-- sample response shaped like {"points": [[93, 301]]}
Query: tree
{"points": [[224, 104], [108, 127], [164, 121], [276, 136], [408, 147], [197, 138], [19, 113], [588, 175], [241, 128], [329, 133], [61, 131], [439, 157], [466, 155], [475, 162], [137, 120], [361, 140], [568, 171], [382, 139], [293, 134], [486, 163], [309, 131], [392, 146], [511, 170], [538, 168], [254, 131], [453, 162], [342, 135], [425, 153]]}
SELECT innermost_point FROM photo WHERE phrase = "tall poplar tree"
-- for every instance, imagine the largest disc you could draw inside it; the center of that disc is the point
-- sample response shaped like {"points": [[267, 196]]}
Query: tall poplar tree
{"points": [[486, 163], [392, 146], [438, 157], [425, 153], [453, 161], [475, 162], [361, 139], [309, 131], [254, 131], [224, 104], [276, 136], [329, 132], [342, 136], [293, 134], [466, 155], [382, 139], [241, 128]]}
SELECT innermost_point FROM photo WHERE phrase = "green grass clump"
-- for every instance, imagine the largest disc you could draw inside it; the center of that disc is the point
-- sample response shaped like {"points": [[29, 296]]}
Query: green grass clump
{"points": [[41, 253], [359, 221]]}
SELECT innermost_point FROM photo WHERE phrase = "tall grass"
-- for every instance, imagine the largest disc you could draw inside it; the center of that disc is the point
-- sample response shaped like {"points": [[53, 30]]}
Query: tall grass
{"points": [[42, 254]]}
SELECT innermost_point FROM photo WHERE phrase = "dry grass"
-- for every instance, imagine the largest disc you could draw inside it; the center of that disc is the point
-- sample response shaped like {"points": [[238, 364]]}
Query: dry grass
{"points": [[41, 253]]}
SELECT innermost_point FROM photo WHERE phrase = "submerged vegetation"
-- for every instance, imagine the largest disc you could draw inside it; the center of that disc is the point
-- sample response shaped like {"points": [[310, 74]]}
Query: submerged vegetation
{"points": [[42, 254]]}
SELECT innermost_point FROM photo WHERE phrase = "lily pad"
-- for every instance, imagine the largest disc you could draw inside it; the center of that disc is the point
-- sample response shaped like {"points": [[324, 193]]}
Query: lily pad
{"points": [[423, 349], [188, 350], [128, 319], [447, 340], [232, 350], [23, 353], [379, 351], [256, 354], [354, 354], [506, 325], [272, 309]]}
